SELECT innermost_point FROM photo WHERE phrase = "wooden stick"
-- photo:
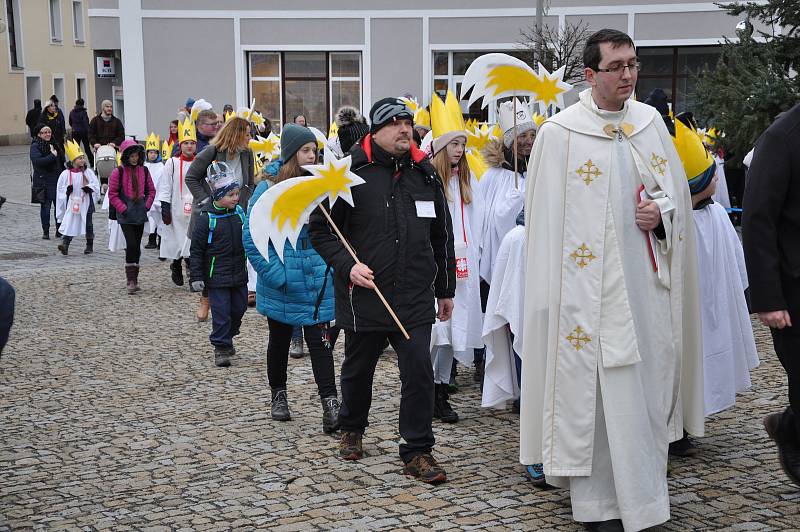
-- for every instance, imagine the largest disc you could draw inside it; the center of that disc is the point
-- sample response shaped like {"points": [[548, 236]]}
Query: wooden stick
{"points": [[516, 176], [355, 258]]}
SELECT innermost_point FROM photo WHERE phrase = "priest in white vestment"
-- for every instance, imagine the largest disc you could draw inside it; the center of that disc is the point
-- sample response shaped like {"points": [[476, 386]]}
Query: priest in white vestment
{"points": [[611, 318]]}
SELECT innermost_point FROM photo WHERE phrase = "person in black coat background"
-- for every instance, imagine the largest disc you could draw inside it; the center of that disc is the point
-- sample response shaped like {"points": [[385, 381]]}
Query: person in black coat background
{"points": [[771, 240], [7, 297], [32, 118], [47, 159], [53, 118], [79, 122]]}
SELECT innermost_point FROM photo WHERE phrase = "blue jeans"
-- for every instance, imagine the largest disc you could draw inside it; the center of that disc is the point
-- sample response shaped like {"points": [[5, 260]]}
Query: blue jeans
{"points": [[227, 308]]}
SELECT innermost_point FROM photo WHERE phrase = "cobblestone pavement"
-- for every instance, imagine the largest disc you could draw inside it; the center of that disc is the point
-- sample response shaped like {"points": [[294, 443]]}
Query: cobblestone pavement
{"points": [[114, 417]]}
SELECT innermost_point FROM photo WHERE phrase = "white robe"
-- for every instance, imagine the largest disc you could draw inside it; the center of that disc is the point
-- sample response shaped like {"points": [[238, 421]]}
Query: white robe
{"points": [[154, 214], [116, 240], [721, 195], [608, 339], [463, 330], [501, 204], [172, 189], [71, 211], [729, 349], [504, 312]]}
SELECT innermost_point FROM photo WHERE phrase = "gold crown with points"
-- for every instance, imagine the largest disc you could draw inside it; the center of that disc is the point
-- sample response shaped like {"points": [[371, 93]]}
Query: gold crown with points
{"points": [[153, 142], [187, 131], [446, 115], [73, 150], [166, 150]]}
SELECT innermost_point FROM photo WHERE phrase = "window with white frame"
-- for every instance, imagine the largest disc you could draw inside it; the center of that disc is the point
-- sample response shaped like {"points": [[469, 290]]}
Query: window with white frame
{"points": [[77, 22], [58, 90], [313, 84], [55, 21], [448, 73], [14, 30]]}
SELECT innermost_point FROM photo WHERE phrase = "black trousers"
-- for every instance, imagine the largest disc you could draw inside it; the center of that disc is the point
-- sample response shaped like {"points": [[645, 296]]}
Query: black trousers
{"points": [[133, 242], [82, 137], [228, 305], [787, 347], [361, 353], [320, 339]]}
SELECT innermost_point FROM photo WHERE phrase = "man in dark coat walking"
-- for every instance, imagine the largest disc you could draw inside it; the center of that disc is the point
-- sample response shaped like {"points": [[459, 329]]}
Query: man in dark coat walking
{"points": [[79, 122], [771, 239], [32, 118], [401, 229]]}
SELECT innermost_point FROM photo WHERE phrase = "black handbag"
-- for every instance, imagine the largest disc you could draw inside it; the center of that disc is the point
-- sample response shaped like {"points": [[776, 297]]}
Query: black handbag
{"points": [[38, 194]]}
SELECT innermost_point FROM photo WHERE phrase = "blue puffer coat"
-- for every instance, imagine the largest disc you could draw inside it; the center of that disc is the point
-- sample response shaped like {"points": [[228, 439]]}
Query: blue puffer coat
{"points": [[288, 291]]}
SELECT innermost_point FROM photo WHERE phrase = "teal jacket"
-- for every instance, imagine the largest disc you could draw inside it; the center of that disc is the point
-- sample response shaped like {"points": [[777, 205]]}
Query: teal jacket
{"points": [[297, 291]]}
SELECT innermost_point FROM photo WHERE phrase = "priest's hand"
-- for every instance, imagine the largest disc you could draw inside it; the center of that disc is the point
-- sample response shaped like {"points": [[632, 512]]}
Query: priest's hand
{"points": [[445, 307], [777, 319], [361, 275], [648, 215]]}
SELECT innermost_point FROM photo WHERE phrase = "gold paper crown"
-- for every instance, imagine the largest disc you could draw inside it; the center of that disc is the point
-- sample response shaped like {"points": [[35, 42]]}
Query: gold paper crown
{"points": [[538, 119], [333, 130], [694, 156], [446, 116], [73, 150], [166, 150], [422, 118], [152, 142], [187, 131], [229, 115]]}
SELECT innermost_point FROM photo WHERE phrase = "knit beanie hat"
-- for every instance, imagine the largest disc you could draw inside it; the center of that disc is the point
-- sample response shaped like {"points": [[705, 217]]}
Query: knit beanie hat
{"points": [[388, 110], [292, 139], [352, 127]]}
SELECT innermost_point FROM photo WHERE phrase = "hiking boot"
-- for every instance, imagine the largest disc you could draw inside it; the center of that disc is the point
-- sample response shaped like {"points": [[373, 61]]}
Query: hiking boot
{"points": [[788, 447], [89, 249], [177, 272], [45, 233], [296, 348], [480, 362], [222, 356], [330, 414], [536, 474], [453, 385], [683, 447], [350, 446], [280, 406], [202, 310], [63, 247], [425, 468], [441, 406], [151, 242]]}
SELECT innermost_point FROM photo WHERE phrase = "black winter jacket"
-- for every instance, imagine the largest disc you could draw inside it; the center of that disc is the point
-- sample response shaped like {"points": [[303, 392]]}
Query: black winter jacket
{"points": [[46, 166], [771, 217], [222, 262], [400, 228]]}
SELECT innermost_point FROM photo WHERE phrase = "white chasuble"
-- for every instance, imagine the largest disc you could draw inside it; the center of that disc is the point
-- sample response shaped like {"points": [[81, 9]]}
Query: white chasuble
{"points": [[610, 311]]}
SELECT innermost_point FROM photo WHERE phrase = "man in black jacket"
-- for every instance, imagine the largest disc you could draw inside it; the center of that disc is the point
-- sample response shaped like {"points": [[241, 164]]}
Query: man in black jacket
{"points": [[771, 239], [400, 228]]}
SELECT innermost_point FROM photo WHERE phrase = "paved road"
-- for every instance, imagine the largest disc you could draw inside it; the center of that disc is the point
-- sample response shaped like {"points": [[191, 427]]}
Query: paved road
{"points": [[114, 417]]}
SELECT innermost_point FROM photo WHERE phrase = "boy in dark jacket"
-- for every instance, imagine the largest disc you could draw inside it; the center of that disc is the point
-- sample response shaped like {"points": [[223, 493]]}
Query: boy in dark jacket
{"points": [[217, 260]]}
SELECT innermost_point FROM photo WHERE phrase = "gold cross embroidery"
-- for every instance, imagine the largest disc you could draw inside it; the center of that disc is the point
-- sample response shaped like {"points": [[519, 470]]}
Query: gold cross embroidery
{"points": [[578, 338], [588, 172], [659, 164], [582, 256]]}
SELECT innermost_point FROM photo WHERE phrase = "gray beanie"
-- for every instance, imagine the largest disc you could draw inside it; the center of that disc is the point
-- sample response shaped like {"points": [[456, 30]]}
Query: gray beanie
{"points": [[293, 137]]}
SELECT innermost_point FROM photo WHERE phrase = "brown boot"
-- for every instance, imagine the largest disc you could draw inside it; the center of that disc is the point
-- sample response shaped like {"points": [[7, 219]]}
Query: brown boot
{"points": [[202, 310], [136, 278], [130, 275]]}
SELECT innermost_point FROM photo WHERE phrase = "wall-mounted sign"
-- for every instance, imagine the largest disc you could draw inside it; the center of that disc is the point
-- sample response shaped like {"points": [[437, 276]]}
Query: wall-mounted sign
{"points": [[105, 67]]}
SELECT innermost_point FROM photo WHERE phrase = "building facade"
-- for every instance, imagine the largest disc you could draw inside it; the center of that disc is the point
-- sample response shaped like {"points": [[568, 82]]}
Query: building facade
{"points": [[311, 56], [45, 51]]}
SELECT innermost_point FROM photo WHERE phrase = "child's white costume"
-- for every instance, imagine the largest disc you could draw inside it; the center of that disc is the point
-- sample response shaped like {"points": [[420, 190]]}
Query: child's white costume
{"points": [[72, 210]]}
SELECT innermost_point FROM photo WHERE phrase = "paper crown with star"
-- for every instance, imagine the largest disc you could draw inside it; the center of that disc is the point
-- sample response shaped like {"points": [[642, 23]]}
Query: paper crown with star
{"points": [[73, 150], [153, 142], [187, 131]]}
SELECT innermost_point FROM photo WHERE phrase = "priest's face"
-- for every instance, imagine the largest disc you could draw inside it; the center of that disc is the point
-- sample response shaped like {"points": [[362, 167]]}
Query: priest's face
{"points": [[614, 80]]}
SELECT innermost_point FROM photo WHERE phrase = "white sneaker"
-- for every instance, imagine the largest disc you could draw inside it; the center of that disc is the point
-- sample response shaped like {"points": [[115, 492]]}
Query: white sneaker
{"points": [[296, 348]]}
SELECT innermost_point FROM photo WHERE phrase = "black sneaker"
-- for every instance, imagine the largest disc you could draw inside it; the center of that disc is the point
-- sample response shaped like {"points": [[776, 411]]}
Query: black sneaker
{"points": [[222, 357], [280, 406], [425, 468], [350, 446], [683, 447]]}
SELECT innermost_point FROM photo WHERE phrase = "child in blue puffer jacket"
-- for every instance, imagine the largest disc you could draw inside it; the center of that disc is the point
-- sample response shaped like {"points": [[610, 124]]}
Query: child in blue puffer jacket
{"points": [[296, 292]]}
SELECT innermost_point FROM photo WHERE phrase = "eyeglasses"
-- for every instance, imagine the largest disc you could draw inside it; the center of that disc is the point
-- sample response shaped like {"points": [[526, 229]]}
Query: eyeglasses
{"points": [[619, 69]]}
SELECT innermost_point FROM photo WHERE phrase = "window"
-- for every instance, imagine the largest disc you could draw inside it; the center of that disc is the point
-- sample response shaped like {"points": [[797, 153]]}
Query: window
{"points": [[55, 21], [673, 70], [58, 90], [80, 87], [77, 22], [14, 34], [448, 73], [313, 84]]}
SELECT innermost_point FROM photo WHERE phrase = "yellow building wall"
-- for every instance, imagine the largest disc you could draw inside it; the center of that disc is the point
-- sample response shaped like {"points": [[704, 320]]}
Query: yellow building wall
{"points": [[42, 57]]}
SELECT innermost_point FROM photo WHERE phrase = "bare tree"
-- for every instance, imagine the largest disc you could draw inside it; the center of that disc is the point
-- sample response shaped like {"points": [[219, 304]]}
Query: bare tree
{"points": [[558, 47]]}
